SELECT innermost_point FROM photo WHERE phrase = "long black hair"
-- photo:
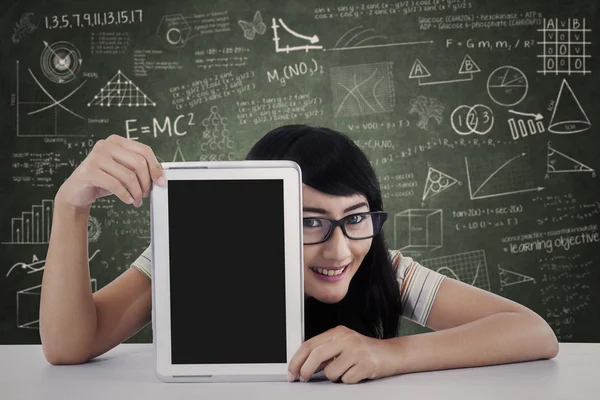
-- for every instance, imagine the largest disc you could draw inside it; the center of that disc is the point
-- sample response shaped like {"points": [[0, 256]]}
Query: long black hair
{"points": [[332, 163]]}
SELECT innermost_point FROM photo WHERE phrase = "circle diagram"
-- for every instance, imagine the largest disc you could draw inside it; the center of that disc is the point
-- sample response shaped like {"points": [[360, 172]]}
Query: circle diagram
{"points": [[477, 119], [507, 86], [60, 62]]}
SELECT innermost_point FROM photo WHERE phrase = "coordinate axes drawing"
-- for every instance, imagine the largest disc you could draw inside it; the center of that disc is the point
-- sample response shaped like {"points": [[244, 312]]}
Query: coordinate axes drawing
{"points": [[470, 267], [511, 177], [362, 89]]}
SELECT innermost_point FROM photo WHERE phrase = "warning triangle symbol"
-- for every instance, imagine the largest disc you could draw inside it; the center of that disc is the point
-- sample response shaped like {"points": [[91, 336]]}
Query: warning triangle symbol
{"points": [[568, 115], [560, 162], [468, 66], [418, 70]]}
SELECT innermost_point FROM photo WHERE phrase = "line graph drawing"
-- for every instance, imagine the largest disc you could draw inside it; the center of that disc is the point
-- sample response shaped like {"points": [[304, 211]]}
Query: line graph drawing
{"points": [[508, 179], [33, 227], [60, 61], [360, 43], [121, 91], [564, 120], [467, 67], [511, 278], [287, 49], [34, 127], [436, 183], [507, 86], [362, 89], [559, 162], [470, 267]]}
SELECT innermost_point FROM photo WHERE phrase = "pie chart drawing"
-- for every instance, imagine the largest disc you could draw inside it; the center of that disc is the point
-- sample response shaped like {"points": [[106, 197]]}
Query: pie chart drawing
{"points": [[507, 86]]}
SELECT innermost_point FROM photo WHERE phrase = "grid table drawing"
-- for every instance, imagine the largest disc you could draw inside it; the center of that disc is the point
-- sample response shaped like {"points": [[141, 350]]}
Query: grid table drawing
{"points": [[564, 46], [469, 267]]}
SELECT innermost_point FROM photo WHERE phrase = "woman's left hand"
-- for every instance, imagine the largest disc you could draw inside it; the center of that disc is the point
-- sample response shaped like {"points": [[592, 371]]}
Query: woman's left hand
{"points": [[345, 355]]}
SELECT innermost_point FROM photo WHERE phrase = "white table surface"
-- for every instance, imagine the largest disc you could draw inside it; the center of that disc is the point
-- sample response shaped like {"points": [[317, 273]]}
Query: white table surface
{"points": [[127, 372]]}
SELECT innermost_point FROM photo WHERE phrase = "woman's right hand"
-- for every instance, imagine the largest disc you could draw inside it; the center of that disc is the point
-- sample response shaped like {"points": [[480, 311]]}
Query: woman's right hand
{"points": [[116, 165]]}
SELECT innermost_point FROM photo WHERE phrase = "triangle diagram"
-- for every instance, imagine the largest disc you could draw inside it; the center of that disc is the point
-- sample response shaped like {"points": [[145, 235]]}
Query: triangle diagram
{"points": [[418, 70], [436, 183], [509, 278], [560, 162], [568, 115], [120, 91], [468, 66]]}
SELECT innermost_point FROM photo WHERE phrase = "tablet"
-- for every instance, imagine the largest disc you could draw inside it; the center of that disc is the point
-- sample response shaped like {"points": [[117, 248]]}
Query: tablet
{"points": [[227, 286]]}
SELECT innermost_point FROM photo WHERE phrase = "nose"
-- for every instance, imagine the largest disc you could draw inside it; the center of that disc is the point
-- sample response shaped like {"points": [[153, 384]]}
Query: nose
{"points": [[338, 246]]}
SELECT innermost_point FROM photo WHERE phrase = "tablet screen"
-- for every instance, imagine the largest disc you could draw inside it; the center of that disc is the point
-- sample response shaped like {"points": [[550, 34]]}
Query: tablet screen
{"points": [[227, 271]]}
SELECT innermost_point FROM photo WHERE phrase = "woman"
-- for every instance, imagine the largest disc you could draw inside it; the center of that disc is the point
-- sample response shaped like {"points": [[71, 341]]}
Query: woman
{"points": [[351, 320]]}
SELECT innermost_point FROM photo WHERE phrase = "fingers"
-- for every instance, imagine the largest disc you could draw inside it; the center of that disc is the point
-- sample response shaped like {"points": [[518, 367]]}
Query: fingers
{"points": [[108, 182], [127, 179], [154, 167], [306, 348], [134, 162], [319, 356], [339, 368]]}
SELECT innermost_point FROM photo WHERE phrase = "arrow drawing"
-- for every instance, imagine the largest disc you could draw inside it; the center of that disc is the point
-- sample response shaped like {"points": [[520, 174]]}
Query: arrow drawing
{"points": [[536, 116]]}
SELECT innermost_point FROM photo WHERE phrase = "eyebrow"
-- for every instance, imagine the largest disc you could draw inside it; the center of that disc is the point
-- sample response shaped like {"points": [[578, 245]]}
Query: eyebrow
{"points": [[323, 211]]}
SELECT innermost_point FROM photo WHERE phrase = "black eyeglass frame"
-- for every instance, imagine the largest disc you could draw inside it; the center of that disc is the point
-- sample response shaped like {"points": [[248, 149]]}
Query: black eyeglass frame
{"points": [[340, 222]]}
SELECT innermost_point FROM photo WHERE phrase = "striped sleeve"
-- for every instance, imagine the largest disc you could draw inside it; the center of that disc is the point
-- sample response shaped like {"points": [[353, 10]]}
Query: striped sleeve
{"points": [[144, 262], [418, 287]]}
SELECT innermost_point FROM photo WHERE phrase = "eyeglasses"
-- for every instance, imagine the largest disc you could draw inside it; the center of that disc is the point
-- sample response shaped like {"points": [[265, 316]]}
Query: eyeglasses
{"points": [[356, 226]]}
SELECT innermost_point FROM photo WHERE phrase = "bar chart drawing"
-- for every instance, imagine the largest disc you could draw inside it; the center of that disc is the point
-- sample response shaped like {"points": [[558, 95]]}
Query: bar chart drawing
{"points": [[33, 227]]}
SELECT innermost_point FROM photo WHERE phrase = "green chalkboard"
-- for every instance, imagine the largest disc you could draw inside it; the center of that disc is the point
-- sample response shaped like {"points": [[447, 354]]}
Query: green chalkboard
{"points": [[479, 116]]}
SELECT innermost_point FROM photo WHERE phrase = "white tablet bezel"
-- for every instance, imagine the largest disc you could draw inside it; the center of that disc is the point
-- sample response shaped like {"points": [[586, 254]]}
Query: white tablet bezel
{"points": [[290, 173]]}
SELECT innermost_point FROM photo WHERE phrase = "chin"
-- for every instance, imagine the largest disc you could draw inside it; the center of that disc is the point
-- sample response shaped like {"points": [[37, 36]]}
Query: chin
{"points": [[329, 295]]}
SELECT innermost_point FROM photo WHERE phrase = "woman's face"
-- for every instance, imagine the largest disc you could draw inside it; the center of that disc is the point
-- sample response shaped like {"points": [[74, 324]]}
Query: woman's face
{"points": [[338, 251]]}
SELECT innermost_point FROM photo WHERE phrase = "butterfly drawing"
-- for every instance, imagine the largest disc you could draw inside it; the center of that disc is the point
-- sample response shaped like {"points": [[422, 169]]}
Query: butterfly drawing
{"points": [[251, 28]]}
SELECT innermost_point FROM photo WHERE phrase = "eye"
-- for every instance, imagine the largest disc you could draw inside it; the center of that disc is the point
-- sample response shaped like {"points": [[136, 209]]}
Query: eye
{"points": [[355, 219], [312, 223]]}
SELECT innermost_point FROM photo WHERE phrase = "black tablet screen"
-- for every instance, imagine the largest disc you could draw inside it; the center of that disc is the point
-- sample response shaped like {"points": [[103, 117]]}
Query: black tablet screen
{"points": [[226, 246]]}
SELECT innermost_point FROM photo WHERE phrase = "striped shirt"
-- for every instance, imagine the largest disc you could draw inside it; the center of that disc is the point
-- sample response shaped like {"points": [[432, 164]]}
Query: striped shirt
{"points": [[418, 284]]}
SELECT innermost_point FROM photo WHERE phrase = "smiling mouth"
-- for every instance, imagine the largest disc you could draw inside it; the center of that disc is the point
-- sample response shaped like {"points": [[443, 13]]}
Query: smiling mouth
{"points": [[330, 272]]}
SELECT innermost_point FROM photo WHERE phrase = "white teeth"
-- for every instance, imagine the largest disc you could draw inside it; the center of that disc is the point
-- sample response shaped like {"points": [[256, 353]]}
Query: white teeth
{"points": [[329, 272]]}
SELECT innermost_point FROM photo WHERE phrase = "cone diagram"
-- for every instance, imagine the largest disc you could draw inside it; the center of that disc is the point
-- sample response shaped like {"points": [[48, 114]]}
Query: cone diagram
{"points": [[568, 115]]}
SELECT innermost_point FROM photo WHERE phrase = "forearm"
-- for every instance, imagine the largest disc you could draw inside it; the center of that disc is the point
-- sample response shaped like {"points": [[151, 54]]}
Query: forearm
{"points": [[67, 311], [496, 339]]}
